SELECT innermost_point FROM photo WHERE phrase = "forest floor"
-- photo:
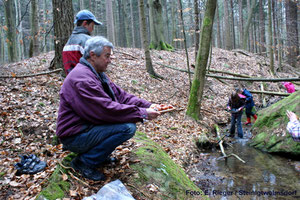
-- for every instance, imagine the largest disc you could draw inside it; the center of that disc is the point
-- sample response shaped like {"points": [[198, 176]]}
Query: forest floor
{"points": [[29, 110]]}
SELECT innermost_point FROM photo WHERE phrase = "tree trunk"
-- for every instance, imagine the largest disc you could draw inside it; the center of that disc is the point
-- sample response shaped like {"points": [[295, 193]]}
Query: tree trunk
{"points": [[143, 30], [274, 7], [174, 36], [184, 39], [219, 40], [292, 32], [10, 17], [81, 4], [197, 28], [241, 23], [270, 37], [249, 20], [157, 28], [232, 23], [34, 27], [194, 105], [110, 22], [20, 42], [63, 19], [126, 23], [134, 39], [228, 42], [262, 27], [2, 53]]}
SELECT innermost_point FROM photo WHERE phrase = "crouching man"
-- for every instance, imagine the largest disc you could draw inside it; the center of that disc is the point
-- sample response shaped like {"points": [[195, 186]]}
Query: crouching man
{"points": [[96, 115]]}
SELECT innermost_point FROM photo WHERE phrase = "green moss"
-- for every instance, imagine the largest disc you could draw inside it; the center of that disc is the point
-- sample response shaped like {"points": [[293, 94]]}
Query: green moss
{"points": [[206, 21], [193, 100], [2, 174], [56, 187], [157, 167]]}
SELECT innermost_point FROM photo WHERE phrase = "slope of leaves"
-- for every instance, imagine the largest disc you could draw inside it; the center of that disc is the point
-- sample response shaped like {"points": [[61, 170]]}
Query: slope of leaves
{"points": [[29, 110]]}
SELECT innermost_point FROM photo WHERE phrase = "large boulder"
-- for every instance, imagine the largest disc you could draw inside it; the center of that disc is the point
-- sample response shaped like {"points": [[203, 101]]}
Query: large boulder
{"points": [[270, 128]]}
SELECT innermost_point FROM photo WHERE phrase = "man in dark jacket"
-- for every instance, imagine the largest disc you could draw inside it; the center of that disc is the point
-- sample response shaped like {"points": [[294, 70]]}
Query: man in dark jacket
{"points": [[95, 115], [73, 50]]}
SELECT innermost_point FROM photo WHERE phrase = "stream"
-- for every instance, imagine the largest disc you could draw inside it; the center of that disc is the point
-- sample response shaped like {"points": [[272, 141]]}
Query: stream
{"points": [[263, 176]]}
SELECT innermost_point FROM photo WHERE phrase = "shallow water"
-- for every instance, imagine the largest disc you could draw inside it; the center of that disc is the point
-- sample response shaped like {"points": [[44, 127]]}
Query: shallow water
{"points": [[263, 176]]}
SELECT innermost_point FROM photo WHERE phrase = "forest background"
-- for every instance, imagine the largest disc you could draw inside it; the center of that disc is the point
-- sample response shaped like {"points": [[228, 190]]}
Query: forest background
{"points": [[265, 27]]}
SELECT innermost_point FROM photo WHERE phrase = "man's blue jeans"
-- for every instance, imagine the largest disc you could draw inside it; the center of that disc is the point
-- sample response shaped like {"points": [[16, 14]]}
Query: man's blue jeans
{"points": [[95, 145], [236, 119]]}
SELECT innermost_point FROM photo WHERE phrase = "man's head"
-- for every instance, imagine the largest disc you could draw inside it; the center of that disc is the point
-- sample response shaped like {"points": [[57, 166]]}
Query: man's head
{"points": [[98, 52], [86, 19]]}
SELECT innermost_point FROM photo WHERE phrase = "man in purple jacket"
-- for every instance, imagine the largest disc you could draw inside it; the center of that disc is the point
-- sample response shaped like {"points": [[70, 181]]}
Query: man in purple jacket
{"points": [[95, 115]]}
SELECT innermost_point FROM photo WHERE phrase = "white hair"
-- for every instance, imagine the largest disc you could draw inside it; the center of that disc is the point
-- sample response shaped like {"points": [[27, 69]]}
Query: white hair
{"points": [[96, 45]]}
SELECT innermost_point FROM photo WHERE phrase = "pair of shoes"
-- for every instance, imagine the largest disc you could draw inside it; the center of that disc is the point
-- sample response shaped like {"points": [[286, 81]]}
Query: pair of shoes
{"points": [[86, 171], [30, 164], [110, 160]]}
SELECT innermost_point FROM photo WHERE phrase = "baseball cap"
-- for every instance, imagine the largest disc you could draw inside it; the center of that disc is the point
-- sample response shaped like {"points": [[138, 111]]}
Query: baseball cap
{"points": [[86, 15]]}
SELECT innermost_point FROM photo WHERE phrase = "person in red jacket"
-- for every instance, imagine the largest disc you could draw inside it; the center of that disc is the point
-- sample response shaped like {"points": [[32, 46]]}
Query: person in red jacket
{"points": [[73, 50]]}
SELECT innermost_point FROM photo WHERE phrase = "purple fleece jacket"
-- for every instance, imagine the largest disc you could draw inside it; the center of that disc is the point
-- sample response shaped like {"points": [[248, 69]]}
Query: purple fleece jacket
{"points": [[84, 102]]}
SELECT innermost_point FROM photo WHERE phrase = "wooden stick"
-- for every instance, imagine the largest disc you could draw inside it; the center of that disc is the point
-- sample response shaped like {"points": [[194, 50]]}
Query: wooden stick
{"points": [[32, 75], [269, 93], [243, 78], [236, 157]]}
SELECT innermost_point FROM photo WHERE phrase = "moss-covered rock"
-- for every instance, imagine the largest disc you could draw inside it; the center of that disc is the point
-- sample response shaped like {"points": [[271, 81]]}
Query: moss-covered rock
{"points": [[158, 169], [270, 127]]}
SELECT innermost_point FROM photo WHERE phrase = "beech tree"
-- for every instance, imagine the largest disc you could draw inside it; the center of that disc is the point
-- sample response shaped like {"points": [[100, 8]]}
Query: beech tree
{"points": [[156, 26], [63, 19], [34, 29], [194, 105], [10, 18], [292, 32], [145, 41]]}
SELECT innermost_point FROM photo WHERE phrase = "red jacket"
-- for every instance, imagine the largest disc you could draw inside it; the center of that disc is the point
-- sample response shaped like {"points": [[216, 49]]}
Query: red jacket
{"points": [[74, 48]]}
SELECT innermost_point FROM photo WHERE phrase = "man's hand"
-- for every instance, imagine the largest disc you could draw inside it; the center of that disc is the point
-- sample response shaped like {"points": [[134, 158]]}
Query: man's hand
{"points": [[292, 116], [152, 114]]}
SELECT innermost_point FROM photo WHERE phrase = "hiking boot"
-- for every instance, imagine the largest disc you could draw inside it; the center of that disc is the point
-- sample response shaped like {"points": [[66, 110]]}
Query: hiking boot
{"points": [[86, 171], [110, 160], [248, 121]]}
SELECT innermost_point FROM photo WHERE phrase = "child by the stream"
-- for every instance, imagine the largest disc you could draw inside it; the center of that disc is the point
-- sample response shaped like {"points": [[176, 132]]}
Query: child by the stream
{"points": [[236, 105], [249, 106]]}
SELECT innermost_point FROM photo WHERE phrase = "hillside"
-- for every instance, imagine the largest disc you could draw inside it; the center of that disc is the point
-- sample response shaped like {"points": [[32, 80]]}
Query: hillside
{"points": [[29, 108]]}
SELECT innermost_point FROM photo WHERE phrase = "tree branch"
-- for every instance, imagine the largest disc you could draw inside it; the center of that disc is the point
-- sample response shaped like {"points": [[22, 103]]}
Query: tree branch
{"points": [[269, 93], [31, 75]]}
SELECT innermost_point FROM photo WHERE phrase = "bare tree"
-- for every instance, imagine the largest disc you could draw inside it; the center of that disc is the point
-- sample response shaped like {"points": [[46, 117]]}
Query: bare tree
{"points": [[10, 17], [156, 26], [195, 99], [34, 29], [292, 32], [63, 19], [110, 21], [271, 55], [262, 27], [143, 28]]}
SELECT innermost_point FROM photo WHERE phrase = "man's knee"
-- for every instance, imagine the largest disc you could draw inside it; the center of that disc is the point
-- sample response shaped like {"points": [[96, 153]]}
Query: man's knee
{"points": [[130, 129]]}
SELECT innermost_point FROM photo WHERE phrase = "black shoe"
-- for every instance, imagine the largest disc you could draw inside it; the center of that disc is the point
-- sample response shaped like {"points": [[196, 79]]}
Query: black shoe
{"points": [[86, 171], [30, 164], [110, 160]]}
